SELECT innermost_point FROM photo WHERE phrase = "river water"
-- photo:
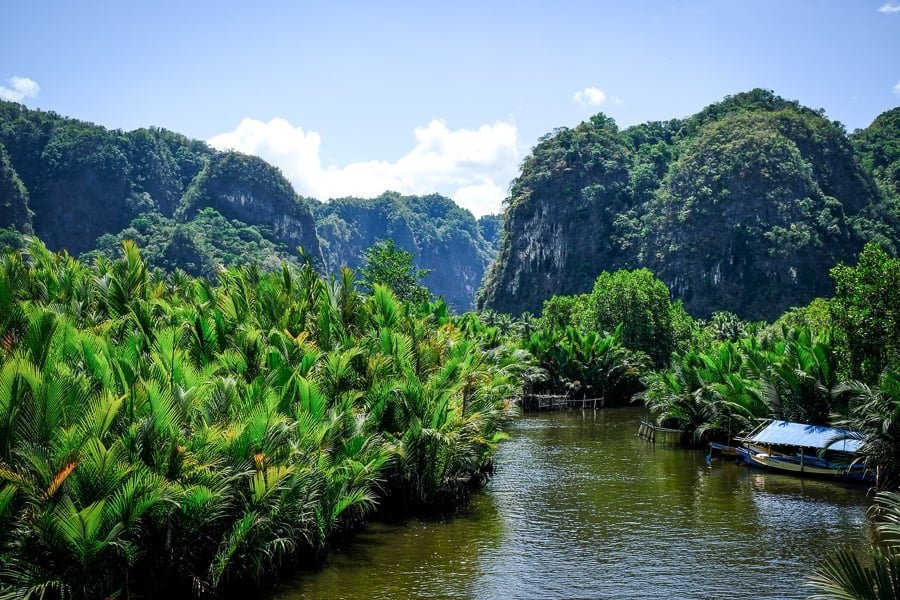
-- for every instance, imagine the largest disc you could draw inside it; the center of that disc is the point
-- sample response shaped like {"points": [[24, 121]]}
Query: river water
{"points": [[583, 508]]}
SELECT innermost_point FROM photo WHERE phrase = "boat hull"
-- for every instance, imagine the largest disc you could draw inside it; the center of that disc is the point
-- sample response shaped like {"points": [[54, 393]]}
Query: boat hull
{"points": [[806, 467], [724, 450]]}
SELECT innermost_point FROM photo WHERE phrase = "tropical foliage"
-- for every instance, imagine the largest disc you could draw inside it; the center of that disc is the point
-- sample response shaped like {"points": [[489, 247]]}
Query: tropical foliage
{"points": [[847, 576], [875, 416], [718, 393], [635, 302], [385, 264], [866, 309], [164, 434], [586, 365]]}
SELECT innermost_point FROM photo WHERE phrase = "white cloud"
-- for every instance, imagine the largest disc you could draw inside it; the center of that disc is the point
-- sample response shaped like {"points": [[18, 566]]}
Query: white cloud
{"points": [[896, 88], [19, 89], [462, 164], [889, 7], [481, 196], [589, 96]]}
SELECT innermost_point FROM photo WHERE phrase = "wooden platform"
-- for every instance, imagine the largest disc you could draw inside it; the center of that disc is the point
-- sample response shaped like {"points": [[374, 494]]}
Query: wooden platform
{"points": [[648, 431], [533, 402]]}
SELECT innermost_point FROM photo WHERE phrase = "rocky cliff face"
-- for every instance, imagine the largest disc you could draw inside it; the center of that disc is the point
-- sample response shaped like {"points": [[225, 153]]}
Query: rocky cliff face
{"points": [[560, 218], [14, 209], [490, 227], [744, 207], [163, 165], [752, 231], [442, 237], [878, 148], [77, 181], [84, 183], [193, 208], [250, 190]]}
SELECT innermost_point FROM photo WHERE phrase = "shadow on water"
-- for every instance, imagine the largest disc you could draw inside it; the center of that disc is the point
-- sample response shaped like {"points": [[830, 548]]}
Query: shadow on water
{"points": [[581, 507]]}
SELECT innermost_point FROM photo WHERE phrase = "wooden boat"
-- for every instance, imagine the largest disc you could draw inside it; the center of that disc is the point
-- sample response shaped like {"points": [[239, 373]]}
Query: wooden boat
{"points": [[806, 450]]}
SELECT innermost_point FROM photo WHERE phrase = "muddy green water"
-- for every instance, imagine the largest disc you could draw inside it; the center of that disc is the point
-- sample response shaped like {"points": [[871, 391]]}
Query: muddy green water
{"points": [[583, 508]]}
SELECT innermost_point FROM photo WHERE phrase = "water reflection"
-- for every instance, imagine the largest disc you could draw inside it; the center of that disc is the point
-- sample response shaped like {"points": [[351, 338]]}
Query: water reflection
{"points": [[581, 507]]}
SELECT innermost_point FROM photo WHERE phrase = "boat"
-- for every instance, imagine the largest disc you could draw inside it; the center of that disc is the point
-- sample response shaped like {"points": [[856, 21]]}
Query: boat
{"points": [[806, 450], [723, 450]]}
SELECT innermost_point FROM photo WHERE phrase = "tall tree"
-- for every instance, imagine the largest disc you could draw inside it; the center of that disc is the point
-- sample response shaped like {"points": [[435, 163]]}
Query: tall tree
{"points": [[387, 265], [866, 309]]}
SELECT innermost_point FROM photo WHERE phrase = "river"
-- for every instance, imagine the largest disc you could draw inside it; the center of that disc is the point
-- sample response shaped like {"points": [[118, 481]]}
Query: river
{"points": [[582, 508]]}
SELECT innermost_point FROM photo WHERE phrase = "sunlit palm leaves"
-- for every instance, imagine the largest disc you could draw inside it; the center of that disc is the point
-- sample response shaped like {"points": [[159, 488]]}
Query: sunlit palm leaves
{"points": [[875, 415], [206, 434], [847, 576], [721, 392]]}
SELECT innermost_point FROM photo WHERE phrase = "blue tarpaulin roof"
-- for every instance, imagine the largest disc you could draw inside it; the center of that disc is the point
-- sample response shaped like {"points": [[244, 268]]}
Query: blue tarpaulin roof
{"points": [[808, 436]]}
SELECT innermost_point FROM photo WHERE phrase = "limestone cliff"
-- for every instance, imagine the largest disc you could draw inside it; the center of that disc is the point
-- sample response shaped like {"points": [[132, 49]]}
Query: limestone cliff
{"points": [[14, 211], [88, 187], [744, 207], [442, 237], [561, 218], [250, 190]]}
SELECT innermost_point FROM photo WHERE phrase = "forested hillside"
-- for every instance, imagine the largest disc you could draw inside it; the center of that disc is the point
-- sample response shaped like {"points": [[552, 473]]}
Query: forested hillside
{"points": [[744, 206], [444, 238], [83, 188], [878, 149]]}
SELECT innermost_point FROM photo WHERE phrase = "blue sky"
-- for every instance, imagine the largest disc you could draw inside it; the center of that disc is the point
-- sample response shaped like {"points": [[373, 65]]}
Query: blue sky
{"points": [[358, 97]]}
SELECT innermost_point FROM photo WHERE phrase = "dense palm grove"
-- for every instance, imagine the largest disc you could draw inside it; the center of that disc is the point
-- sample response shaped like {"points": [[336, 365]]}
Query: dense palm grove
{"points": [[161, 433]]}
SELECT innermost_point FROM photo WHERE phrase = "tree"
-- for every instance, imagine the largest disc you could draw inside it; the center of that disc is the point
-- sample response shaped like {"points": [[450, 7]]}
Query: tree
{"points": [[387, 265], [866, 310], [563, 311], [641, 304]]}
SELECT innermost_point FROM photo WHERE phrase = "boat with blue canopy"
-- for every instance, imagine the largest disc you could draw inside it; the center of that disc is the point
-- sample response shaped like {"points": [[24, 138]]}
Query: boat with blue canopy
{"points": [[804, 449]]}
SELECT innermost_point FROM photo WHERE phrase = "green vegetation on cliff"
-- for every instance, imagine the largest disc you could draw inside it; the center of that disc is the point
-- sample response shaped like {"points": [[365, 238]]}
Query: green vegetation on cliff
{"points": [[490, 227], [878, 147], [83, 188], [743, 207], [86, 185], [561, 217], [443, 238], [199, 246], [14, 211]]}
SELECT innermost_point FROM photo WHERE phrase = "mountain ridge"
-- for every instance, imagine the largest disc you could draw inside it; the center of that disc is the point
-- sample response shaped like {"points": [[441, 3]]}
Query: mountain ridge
{"points": [[84, 188], [743, 206]]}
